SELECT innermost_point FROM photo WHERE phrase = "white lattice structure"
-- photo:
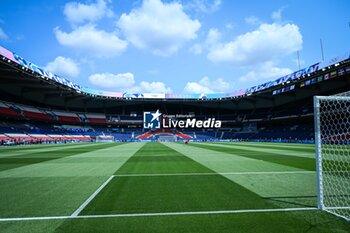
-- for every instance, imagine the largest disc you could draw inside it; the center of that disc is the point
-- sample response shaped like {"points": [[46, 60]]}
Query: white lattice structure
{"points": [[167, 138], [332, 136], [104, 138]]}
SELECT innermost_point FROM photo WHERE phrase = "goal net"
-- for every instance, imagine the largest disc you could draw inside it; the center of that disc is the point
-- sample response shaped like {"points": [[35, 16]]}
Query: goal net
{"points": [[104, 138], [167, 138], [332, 138]]}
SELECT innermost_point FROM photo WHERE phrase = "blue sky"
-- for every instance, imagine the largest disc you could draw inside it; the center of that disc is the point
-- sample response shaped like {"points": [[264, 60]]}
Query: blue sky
{"points": [[193, 46]]}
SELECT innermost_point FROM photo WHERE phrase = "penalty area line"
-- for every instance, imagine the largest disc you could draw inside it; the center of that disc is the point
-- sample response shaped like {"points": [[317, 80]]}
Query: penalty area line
{"points": [[82, 206], [159, 214]]}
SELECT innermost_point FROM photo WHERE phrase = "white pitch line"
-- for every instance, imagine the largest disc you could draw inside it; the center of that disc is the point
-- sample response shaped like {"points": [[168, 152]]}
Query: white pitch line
{"points": [[77, 212], [159, 214], [34, 218], [214, 173]]}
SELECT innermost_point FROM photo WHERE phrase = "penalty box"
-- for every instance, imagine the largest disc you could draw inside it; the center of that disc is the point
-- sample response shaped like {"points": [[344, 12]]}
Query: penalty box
{"points": [[172, 193]]}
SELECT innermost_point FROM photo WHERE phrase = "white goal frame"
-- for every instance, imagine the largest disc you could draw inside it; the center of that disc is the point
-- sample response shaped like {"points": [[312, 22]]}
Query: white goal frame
{"points": [[323, 203], [167, 138], [104, 138]]}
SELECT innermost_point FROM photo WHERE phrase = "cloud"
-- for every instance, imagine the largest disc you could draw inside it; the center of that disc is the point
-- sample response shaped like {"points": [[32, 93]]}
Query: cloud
{"points": [[204, 6], [3, 35], [277, 15], [77, 13], [108, 80], [196, 49], [252, 20], [266, 72], [150, 87], [125, 82], [92, 41], [229, 26], [212, 39], [267, 43], [64, 67], [162, 28], [206, 86]]}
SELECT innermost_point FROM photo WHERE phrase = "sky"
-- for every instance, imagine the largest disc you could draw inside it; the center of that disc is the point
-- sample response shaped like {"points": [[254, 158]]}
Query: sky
{"points": [[174, 46]]}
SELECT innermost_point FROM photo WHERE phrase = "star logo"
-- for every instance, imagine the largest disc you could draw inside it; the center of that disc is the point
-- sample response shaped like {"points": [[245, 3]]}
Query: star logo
{"points": [[151, 120], [156, 115]]}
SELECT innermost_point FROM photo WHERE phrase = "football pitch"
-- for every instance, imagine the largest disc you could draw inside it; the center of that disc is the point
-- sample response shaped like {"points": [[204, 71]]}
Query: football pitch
{"points": [[161, 187]]}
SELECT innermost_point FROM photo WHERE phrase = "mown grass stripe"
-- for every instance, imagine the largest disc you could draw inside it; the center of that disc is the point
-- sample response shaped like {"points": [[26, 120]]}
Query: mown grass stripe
{"points": [[30, 149], [290, 150], [156, 158], [59, 186], [153, 194], [271, 150], [292, 161], [218, 173], [12, 162], [278, 144]]}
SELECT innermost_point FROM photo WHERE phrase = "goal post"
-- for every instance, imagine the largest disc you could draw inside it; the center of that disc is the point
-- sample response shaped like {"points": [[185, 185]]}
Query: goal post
{"points": [[332, 140], [167, 138], [104, 138]]}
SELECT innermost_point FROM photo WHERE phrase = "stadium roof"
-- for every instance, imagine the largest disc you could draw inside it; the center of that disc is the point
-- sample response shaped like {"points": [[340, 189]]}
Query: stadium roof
{"points": [[23, 80]]}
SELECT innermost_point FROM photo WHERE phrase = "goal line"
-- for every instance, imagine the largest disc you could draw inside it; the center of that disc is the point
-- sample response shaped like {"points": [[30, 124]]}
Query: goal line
{"points": [[214, 212]]}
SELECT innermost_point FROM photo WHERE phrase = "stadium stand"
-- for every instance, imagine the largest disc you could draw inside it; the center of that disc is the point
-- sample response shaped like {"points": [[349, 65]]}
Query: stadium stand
{"points": [[33, 113], [6, 110], [66, 116], [167, 132], [38, 106], [96, 118]]}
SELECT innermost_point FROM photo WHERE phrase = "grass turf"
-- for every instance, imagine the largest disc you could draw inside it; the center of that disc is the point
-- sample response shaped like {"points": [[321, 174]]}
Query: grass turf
{"points": [[156, 194], [157, 158], [251, 152], [134, 194], [30, 157]]}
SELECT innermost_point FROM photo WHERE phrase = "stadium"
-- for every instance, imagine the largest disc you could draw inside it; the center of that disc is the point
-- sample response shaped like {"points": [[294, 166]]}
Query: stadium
{"points": [[269, 158]]}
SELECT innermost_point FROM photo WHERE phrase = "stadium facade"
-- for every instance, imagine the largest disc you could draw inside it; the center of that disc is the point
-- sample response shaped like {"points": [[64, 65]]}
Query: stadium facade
{"points": [[38, 106]]}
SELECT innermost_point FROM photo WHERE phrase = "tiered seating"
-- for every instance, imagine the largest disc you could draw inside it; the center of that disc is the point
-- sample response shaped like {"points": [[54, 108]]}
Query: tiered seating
{"points": [[182, 135], [145, 135], [19, 137], [18, 133], [96, 118], [122, 136], [158, 132], [30, 112], [40, 137], [6, 110], [201, 137], [3, 137], [67, 116]]}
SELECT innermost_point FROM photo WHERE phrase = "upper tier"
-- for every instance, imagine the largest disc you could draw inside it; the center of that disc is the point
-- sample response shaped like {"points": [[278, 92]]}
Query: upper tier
{"points": [[40, 73]]}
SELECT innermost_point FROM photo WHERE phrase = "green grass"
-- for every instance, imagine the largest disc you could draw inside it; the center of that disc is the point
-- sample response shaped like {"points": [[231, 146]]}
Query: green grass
{"points": [[171, 193], [30, 157], [254, 153], [157, 158], [54, 180]]}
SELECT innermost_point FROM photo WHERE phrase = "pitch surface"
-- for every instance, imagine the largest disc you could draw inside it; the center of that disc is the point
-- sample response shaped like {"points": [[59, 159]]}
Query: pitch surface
{"points": [[162, 187]]}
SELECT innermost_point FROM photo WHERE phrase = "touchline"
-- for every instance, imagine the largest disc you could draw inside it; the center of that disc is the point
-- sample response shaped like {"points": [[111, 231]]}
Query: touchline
{"points": [[191, 123]]}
